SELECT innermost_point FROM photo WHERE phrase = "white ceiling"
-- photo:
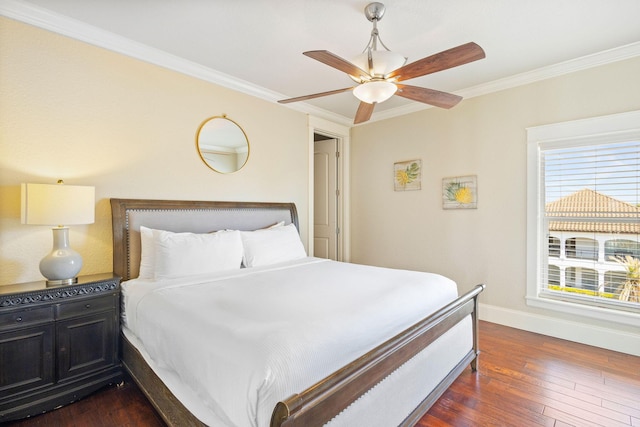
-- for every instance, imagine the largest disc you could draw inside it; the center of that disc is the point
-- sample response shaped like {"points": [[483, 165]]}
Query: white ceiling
{"points": [[257, 45]]}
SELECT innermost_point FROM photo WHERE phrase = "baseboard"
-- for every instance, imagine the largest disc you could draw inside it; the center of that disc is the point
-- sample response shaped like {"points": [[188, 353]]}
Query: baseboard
{"points": [[611, 339]]}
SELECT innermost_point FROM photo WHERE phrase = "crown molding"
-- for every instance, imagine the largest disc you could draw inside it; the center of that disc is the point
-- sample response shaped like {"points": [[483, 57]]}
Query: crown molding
{"points": [[556, 70], [78, 30], [60, 24], [42, 18]]}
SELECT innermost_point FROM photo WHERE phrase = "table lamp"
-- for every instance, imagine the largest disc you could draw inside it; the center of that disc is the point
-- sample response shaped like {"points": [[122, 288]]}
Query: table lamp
{"points": [[59, 205]]}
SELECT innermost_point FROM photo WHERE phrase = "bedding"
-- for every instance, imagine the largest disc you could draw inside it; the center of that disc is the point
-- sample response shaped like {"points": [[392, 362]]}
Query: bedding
{"points": [[241, 340], [147, 254], [165, 254], [272, 245]]}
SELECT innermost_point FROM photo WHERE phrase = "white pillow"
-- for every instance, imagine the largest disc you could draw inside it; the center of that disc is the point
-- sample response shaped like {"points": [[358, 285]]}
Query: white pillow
{"points": [[186, 254], [272, 245], [147, 252]]}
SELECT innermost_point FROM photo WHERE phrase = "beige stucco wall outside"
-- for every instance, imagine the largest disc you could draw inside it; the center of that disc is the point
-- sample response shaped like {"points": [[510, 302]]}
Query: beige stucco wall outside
{"points": [[93, 117], [483, 136]]}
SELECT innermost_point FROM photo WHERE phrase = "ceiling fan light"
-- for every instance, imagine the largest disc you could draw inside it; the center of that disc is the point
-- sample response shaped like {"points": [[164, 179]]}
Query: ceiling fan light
{"points": [[376, 91]]}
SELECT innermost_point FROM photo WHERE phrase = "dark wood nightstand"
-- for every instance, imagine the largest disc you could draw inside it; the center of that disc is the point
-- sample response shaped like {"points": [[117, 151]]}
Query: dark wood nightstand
{"points": [[57, 344]]}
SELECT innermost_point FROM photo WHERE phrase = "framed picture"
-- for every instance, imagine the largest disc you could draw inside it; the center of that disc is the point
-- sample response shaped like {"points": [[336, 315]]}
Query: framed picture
{"points": [[407, 175], [460, 192]]}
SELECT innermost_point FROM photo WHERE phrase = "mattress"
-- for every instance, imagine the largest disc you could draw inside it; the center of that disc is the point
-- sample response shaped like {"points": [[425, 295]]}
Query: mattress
{"points": [[232, 344]]}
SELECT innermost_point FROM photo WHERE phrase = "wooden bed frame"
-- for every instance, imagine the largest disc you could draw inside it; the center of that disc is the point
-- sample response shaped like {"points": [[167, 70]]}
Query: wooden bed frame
{"points": [[321, 402]]}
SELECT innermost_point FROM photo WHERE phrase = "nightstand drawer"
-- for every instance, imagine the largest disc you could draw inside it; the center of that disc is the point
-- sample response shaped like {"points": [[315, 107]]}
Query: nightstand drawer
{"points": [[22, 318], [85, 307]]}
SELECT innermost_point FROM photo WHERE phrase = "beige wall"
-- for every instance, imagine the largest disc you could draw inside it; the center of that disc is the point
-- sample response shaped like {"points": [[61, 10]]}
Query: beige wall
{"points": [[93, 117], [483, 136]]}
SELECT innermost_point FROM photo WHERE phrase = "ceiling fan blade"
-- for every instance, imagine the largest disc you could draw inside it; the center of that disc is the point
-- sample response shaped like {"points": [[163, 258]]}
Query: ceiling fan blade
{"points": [[428, 96], [364, 112], [336, 62], [315, 95], [450, 58]]}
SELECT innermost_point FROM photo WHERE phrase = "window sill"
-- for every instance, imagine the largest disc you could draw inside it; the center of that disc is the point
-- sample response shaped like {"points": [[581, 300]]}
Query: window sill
{"points": [[594, 312]]}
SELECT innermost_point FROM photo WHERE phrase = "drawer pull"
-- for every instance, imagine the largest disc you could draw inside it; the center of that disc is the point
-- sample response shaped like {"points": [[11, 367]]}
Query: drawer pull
{"points": [[87, 306], [19, 319]]}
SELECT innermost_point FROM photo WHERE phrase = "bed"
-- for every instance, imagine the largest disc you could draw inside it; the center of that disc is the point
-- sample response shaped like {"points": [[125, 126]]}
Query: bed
{"points": [[278, 361]]}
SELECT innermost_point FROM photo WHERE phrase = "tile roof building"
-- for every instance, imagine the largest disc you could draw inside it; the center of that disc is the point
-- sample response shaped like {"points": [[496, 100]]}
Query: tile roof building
{"points": [[587, 230], [595, 208]]}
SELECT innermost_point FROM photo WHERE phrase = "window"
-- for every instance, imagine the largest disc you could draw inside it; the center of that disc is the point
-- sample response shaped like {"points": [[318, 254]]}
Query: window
{"points": [[554, 247], [583, 215], [583, 248], [614, 281], [554, 276], [621, 247], [581, 278]]}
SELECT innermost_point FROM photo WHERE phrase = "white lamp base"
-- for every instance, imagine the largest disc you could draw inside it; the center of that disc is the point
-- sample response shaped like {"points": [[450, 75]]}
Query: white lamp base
{"points": [[62, 264]]}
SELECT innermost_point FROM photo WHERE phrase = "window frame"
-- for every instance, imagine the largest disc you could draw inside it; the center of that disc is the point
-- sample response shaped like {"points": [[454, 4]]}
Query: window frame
{"points": [[605, 129]]}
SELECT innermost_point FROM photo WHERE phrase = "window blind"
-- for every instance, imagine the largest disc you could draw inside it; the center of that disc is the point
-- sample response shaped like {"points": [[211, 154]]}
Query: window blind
{"points": [[591, 217], [610, 169]]}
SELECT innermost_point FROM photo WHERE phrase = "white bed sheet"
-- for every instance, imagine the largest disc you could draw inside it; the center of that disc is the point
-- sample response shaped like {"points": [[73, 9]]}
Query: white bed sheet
{"points": [[238, 342]]}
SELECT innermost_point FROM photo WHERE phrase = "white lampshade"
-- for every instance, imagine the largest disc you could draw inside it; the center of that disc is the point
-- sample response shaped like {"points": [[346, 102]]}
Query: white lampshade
{"points": [[45, 204], [57, 204], [384, 62], [376, 91]]}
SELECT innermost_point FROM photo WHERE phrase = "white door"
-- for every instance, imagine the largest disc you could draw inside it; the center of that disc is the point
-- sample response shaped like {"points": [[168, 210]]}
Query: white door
{"points": [[325, 201]]}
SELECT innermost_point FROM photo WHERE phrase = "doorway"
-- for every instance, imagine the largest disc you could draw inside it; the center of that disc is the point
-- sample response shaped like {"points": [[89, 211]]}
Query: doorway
{"points": [[326, 197], [320, 130]]}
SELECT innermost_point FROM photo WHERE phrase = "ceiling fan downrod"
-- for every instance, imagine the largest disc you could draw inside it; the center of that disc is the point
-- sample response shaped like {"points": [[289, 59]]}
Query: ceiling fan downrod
{"points": [[374, 13], [378, 63]]}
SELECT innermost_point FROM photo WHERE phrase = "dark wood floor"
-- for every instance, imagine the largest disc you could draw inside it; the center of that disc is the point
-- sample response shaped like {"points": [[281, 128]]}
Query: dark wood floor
{"points": [[524, 379]]}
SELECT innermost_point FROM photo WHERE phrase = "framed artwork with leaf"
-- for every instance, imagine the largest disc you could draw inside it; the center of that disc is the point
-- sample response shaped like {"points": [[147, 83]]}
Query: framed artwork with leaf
{"points": [[407, 175], [460, 192]]}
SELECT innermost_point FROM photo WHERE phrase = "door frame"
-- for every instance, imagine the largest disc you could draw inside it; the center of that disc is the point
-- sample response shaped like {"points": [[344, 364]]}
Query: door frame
{"points": [[341, 134]]}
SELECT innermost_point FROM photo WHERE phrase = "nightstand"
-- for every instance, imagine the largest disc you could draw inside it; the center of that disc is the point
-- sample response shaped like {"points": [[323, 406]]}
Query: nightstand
{"points": [[57, 344]]}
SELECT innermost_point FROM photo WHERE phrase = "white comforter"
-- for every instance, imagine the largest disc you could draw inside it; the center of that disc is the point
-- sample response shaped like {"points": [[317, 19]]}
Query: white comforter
{"points": [[243, 340]]}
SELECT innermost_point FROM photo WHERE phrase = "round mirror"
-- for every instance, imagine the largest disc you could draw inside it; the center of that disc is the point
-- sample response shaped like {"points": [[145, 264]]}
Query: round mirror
{"points": [[222, 144]]}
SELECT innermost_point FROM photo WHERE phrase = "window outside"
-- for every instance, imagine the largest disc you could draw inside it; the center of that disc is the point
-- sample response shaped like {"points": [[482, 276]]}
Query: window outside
{"points": [[584, 212]]}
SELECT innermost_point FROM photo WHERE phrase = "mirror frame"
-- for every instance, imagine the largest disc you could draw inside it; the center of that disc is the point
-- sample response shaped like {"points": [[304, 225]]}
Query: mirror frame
{"points": [[198, 149]]}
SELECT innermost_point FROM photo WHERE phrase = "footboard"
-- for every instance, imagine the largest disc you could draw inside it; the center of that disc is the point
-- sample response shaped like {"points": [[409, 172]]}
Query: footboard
{"points": [[321, 402]]}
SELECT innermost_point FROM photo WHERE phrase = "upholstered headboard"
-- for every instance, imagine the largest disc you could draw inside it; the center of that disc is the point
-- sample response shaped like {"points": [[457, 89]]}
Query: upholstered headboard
{"points": [[184, 216]]}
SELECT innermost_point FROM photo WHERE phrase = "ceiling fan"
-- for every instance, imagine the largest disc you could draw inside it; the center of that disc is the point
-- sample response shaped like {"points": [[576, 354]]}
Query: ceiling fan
{"points": [[387, 68]]}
